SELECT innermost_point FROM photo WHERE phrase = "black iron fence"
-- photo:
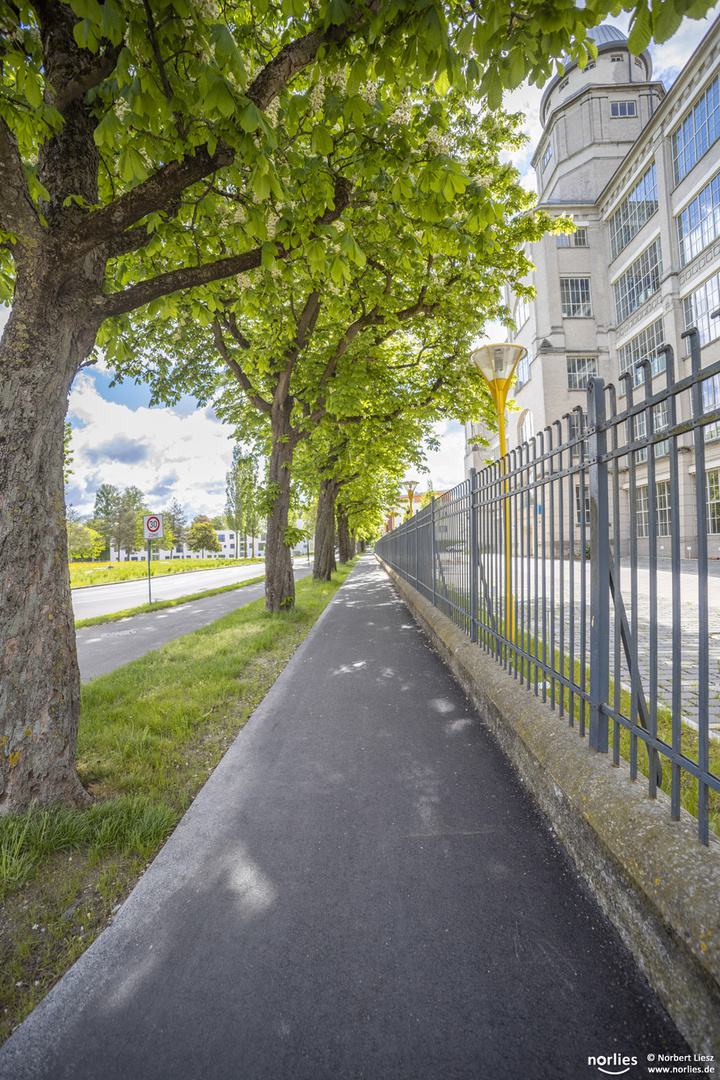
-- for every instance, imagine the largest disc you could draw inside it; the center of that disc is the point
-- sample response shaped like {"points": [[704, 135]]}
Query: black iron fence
{"points": [[566, 561]]}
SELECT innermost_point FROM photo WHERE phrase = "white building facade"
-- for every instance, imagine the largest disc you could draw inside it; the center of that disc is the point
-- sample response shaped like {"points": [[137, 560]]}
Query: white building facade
{"points": [[638, 170]]}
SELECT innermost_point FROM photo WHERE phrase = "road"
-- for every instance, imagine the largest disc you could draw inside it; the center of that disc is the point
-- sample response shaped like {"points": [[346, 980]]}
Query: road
{"points": [[108, 646], [107, 599]]}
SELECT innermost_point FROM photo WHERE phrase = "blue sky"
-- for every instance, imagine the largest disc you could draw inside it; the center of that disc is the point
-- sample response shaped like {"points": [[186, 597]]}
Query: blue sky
{"points": [[184, 452]]}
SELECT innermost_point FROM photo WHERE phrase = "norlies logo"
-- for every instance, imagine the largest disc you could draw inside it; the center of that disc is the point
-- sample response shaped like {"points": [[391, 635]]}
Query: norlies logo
{"points": [[614, 1064]]}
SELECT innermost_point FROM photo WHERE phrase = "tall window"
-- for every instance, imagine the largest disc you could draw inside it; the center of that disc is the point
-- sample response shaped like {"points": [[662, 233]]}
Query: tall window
{"points": [[579, 238], [578, 505], [522, 371], [660, 422], [634, 211], [713, 501], [711, 401], [697, 131], [644, 347], [579, 370], [522, 311], [642, 511], [699, 223], [662, 507], [639, 282], [663, 513], [698, 306], [575, 297], [526, 430], [547, 155], [577, 426], [623, 108]]}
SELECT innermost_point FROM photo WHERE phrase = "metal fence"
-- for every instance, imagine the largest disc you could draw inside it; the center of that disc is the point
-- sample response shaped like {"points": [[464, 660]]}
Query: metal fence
{"points": [[549, 560]]}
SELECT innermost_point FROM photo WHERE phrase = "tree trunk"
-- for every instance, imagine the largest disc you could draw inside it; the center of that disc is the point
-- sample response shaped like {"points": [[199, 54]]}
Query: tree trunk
{"points": [[324, 563], [279, 579], [41, 348], [345, 544]]}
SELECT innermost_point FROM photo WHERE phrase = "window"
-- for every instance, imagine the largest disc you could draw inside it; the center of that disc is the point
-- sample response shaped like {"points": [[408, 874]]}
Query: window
{"points": [[577, 239], [577, 427], [699, 223], [575, 297], [639, 282], [563, 85], [642, 511], [644, 347], [698, 306], [713, 501], [578, 504], [579, 368], [634, 211], [662, 509], [660, 422], [590, 66], [525, 429], [622, 108], [616, 58], [522, 372], [547, 155], [221, 537], [697, 131], [522, 311], [711, 402]]}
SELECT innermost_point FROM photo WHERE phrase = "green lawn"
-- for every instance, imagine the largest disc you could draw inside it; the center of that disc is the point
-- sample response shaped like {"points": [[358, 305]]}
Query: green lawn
{"points": [[150, 735], [107, 573]]}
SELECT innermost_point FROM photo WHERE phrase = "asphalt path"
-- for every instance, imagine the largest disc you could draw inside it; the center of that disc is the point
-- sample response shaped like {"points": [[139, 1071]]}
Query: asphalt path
{"points": [[94, 600], [362, 889], [107, 646]]}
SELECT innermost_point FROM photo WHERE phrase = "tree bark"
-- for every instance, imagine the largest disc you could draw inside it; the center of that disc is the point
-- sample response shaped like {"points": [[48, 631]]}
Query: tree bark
{"points": [[279, 579], [41, 349], [345, 545], [324, 563]]}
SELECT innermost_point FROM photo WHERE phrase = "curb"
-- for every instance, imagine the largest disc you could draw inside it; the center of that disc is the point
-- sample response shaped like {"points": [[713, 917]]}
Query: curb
{"points": [[155, 577], [653, 878]]}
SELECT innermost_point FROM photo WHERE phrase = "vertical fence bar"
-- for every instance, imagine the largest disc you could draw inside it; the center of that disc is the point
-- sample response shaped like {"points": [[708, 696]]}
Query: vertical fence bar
{"points": [[561, 553], [702, 560], [653, 524], [571, 575], [433, 549], [473, 545], [616, 556], [599, 567]]}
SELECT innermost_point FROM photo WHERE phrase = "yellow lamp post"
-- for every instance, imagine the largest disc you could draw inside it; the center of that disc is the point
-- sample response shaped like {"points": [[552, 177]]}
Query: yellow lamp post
{"points": [[497, 363], [410, 486]]}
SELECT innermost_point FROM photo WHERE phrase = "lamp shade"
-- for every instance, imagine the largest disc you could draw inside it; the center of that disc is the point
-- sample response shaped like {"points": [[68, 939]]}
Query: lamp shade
{"points": [[410, 485], [498, 362]]}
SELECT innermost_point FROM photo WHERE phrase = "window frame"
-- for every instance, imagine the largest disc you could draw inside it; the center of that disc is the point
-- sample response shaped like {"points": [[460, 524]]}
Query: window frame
{"points": [[584, 301]]}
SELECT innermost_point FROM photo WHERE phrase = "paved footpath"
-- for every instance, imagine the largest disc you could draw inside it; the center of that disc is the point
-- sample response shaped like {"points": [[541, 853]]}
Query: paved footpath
{"points": [[361, 890]]}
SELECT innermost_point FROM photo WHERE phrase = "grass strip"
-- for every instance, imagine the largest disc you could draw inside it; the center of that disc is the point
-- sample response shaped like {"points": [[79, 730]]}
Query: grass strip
{"points": [[150, 734], [108, 573], [158, 605]]}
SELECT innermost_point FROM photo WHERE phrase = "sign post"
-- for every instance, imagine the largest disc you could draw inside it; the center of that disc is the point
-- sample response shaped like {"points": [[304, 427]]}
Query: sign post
{"points": [[153, 529]]}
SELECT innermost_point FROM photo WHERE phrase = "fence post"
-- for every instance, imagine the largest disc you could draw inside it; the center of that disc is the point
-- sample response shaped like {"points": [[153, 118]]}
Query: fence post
{"points": [[599, 568], [473, 538], [432, 541]]}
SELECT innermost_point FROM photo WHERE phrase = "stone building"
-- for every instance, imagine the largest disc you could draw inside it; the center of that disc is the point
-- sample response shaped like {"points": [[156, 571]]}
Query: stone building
{"points": [[638, 170]]}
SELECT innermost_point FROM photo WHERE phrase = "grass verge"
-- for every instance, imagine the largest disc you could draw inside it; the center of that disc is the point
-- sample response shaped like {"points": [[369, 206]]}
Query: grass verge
{"points": [[150, 734], [158, 605], [108, 573]]}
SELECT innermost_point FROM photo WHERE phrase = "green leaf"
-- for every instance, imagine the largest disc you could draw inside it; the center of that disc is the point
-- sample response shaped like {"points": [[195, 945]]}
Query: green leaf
{"points": [[337, 13], [322, 141], [268, 254], [641, 32], [106, 131], [131, 165], [465, 39], [250, 118], [666, 21], [220, 99]]}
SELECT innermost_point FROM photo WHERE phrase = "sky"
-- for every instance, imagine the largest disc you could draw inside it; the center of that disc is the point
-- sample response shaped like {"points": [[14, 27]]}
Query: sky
{"points": [[184, 452]]}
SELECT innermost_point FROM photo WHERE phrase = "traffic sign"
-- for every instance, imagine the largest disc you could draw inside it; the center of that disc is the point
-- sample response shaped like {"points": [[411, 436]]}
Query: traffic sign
{"points": [[153, 528]]}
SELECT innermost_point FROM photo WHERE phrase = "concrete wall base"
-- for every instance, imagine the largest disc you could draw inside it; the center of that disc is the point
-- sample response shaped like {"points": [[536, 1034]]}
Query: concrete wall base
{"points": [[654, 879]]}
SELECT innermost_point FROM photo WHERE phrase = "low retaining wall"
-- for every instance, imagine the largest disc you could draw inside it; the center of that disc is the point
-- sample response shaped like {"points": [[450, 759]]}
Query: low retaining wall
{"points": [[654, 879]]}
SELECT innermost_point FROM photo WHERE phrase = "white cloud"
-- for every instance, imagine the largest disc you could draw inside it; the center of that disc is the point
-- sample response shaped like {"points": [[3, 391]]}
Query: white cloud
{"points": [[166, 455]]}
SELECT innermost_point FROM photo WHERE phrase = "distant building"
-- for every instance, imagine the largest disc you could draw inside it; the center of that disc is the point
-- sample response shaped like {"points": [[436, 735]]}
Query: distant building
{"points": [[638, 170], [246, 547]]}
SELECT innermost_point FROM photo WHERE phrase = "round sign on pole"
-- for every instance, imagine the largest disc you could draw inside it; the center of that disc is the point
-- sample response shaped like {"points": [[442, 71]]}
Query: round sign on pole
{"points": [[153, 526]]}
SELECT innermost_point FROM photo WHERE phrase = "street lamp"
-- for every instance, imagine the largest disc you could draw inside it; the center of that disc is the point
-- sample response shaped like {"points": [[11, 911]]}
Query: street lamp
{"points": [[410, 486], [497, 363]]}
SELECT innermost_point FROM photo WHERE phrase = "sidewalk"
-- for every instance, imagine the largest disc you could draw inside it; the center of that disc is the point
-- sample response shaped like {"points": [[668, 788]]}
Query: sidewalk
{"points": [[361, 890]]}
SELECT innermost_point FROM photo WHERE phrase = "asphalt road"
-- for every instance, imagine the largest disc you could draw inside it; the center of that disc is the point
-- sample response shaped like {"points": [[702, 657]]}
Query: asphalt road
{"points": [[107, 599], [107, 646], [361, 890]]}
